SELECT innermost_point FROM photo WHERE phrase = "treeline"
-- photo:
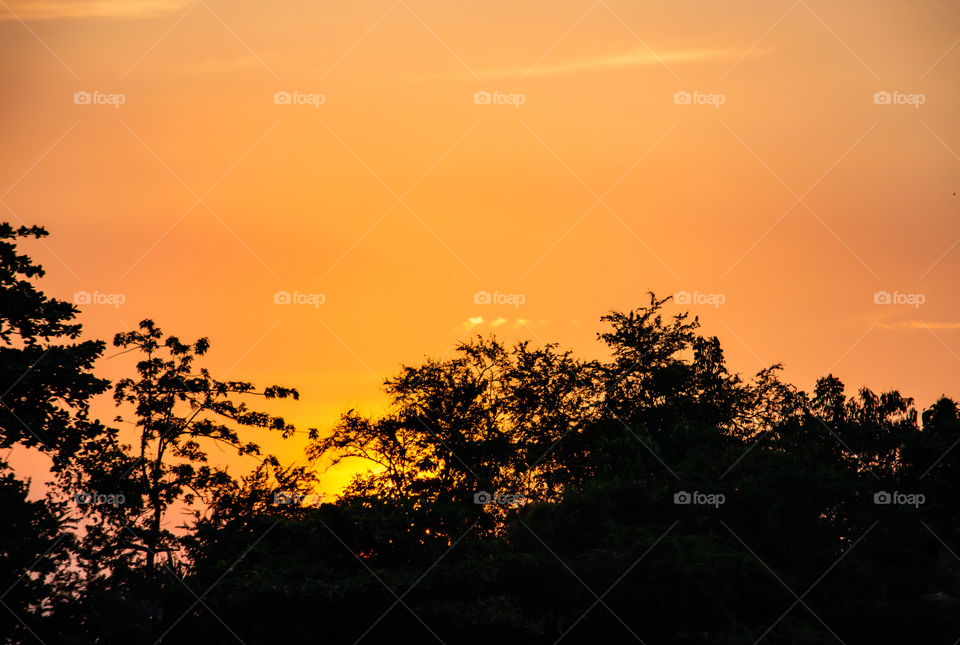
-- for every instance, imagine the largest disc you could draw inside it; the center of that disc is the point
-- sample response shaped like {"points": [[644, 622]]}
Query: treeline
{"points": [[514, 494]]}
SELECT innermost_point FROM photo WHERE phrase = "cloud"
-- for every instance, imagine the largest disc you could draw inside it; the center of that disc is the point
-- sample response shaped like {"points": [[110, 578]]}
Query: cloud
{"points": [[633, 58], [55, 9], [919, 324], [477, 321]]}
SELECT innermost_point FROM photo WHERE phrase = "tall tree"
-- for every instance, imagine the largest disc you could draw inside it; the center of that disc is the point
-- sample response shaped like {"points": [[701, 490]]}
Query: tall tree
{"points": [[486, 420], [179, 412], [46, 378], [46, 383]]}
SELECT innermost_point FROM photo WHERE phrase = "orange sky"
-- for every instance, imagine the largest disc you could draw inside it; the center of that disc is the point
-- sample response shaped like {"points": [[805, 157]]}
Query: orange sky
{"points": [[782, 185]]}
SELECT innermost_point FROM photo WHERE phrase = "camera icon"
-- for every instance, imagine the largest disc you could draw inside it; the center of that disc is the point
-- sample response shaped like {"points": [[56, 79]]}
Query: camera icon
{"points": [[282, 498], [82, 498], [682, 297], [482, 497], [81, 98], [282, 298], [682, 98], [882, 98], [882, 497], [482, 97], [281, 98], [682, 497], [882, 298], [482, 298], [81, 298]]}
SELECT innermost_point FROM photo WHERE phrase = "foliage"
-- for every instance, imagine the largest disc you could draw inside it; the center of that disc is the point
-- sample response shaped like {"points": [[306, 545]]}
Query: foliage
{"points": [[46, 380], [659, 497]]}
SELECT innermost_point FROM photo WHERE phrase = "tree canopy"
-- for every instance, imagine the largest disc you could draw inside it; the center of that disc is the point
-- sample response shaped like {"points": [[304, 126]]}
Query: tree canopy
{"points": [[508, 492]]}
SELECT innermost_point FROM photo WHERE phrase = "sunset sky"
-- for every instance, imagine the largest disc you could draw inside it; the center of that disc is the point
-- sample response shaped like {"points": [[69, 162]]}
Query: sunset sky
{"points": [[738, 152]]}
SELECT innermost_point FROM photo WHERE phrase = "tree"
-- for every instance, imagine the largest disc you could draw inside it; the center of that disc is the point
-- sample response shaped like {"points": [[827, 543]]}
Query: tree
{"points": [[34, 554], [798, 472], [664, 372], [179, 413], [46, 379], [800, 543], [46, 383], [485, 421]]}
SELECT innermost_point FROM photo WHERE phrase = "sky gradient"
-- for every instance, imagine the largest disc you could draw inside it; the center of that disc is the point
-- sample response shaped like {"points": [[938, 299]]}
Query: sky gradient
{"points": [[737, 153]]}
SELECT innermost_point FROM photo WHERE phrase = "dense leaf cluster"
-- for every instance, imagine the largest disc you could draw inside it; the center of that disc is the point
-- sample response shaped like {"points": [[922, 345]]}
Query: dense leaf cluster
{"points": [[509, 493]]}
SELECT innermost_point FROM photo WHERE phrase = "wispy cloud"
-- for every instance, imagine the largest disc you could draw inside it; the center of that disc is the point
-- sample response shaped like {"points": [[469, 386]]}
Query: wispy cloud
{"points": [[624, 60], [633, 58], [478, 321], [919, 324], [29, 10]]}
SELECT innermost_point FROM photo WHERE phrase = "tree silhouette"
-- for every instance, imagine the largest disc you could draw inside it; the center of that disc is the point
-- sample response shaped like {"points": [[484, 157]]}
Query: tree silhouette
{"points": [[45, 375], [46, 384], [484, 421], [177, 410], [661, 497]]}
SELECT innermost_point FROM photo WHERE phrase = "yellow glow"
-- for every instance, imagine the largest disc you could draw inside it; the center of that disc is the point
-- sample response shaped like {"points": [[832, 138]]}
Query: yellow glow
{"points": [[346, 155]]}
